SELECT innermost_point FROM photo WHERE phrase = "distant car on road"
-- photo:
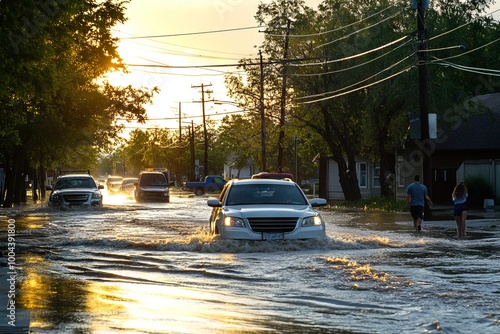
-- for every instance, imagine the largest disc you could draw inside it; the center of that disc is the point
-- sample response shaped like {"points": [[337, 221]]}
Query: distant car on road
{"points": [[113, 183], [152, 186], [75, 189], [276, 176], [211, 183], [265, 209], [128, 186]]}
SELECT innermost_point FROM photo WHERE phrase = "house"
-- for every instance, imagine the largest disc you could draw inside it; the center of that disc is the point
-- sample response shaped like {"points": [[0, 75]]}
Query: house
{"points": [[468, 137], [472, 140]]}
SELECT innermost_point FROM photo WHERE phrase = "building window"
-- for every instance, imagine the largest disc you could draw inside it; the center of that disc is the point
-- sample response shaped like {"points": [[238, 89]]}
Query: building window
{"points": [[363, 175], [400, 174], [376, 176]]}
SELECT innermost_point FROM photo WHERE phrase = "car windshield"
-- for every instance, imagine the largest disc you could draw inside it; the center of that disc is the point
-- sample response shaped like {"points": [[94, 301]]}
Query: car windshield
{"points": [[75, 183], [250, 194], [115, 179], [153, 180], [129, 181]]}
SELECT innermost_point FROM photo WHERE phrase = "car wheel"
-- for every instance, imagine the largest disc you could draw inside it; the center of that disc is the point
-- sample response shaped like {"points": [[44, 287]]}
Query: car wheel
{"points": [[199, 192]]}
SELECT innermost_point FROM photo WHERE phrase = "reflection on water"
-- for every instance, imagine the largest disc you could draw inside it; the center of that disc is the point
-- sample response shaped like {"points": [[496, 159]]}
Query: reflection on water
{"points": [[154, 268], [53, 300]]}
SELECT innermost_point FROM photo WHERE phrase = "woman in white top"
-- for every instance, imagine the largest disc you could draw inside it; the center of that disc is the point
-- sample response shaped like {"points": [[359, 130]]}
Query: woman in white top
{"points": [[460, 209]]}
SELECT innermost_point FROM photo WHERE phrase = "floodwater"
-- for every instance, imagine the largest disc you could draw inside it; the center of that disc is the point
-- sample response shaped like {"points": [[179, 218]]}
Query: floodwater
{"points": [[153, 268]]}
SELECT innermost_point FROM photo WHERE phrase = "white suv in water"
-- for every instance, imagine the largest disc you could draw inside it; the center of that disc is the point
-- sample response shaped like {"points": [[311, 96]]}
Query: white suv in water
{"points": [[265, 209], [75, 189]]}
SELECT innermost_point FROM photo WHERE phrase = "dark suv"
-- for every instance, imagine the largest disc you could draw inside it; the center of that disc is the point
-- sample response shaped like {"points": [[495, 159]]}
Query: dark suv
{"points": [[152, 186]]}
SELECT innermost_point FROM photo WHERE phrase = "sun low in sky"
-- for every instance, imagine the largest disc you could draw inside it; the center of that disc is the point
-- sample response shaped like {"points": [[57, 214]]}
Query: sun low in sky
{"points": [[185, 44]]}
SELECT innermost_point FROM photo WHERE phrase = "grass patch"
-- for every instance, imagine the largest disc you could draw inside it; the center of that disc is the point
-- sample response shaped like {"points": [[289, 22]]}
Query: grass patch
{"points": [[376, 203]]}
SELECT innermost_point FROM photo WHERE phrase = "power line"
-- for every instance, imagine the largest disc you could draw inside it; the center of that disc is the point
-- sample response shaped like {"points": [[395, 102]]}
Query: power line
{"points": [[358, 31], [333, 30], [351, 67], [477, 70], [192, 33], [353, 56], [467, 52], [459, 27], [360, 88], [359, 82]]}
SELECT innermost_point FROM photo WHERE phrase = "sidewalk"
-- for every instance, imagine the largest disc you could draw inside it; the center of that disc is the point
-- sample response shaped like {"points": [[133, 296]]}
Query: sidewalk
{"points": [[442, 212]]}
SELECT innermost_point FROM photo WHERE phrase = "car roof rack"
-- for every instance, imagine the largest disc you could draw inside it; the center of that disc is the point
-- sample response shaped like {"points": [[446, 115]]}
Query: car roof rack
{"points": [[65, 172]]}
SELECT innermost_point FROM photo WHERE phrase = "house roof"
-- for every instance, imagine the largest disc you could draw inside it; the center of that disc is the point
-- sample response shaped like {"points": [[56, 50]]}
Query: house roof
{"points": [[476, 130]]}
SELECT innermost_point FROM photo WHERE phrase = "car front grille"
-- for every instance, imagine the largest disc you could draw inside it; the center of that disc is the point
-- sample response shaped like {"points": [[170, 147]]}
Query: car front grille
{"points": [[76, 199], [152, 196], [273, 225]]}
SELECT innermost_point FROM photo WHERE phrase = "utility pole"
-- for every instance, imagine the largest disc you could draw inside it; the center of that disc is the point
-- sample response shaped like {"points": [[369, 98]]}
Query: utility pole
{"points": [[180, 125], [262, 116], [191, 149], [423, 98], [205, 135], [283, 101]]}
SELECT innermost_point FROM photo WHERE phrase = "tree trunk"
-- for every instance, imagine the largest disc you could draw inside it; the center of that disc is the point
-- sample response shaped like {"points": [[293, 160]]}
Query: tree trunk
{"points": [[9, 183], [348, 178], [387, 164]]}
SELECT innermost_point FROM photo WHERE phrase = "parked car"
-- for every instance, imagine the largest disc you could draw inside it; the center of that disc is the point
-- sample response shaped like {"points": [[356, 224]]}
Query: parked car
{"points": [[265, 209], [75, 189], [277, 176], [152, 186], [113, 183], [211, 183], [128, 186]]}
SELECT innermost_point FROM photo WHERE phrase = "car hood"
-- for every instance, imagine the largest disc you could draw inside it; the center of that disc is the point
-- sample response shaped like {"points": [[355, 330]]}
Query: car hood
{"points": [[270, 211], [156, 188], [74, 190]]}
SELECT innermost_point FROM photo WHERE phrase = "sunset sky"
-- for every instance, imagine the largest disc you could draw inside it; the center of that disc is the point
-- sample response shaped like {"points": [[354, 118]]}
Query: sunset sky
{"points": [[187, 33]]}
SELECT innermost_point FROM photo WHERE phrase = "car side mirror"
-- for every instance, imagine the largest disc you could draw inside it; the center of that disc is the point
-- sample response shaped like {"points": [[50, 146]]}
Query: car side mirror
{"points": [[100, 186], [48, 188], [318, 202], [214, 203]]}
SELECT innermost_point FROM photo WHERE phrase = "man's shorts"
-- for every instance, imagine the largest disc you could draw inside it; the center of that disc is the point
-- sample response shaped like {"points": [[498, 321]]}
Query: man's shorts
{"points": [[417, 211], [458, 208]]}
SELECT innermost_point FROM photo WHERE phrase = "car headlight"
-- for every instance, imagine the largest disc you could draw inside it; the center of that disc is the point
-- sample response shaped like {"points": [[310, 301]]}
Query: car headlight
{"points": [[312, 221], [234, 222], [96, 196]]}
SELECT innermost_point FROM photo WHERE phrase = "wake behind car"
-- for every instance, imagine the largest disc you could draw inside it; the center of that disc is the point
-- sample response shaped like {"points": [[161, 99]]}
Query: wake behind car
{"points": [[265, 209], [152, 186], [75, 189], [113, 183], [128, 186]]}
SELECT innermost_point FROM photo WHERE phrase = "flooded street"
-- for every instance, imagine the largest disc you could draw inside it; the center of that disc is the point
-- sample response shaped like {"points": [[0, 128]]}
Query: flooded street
{"points": [[153, 268]]}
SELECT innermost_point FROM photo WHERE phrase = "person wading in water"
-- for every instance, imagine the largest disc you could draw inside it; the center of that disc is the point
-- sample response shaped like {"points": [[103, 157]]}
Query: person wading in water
{"points": [[417, 196]]}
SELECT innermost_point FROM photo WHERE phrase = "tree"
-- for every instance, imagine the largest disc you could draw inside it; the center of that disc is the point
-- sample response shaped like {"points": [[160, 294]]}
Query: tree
{"points": [[53, 54]]}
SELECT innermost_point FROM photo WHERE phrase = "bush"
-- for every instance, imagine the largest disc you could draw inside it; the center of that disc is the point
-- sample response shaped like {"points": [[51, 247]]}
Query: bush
{"points": [[378, 203], [478, 189]]}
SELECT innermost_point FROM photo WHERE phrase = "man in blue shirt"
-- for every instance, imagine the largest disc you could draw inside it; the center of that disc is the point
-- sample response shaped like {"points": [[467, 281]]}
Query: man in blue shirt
{"points": [[417, 196]]}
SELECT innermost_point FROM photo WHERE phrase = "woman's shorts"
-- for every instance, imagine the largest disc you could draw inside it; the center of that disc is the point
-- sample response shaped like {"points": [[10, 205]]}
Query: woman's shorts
{"points": [[457, 210]]}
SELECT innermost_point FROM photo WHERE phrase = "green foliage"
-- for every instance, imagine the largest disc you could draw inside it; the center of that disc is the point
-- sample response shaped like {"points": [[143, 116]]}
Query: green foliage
{"points": [[377, 203], [478, 189], [53, 103]]}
